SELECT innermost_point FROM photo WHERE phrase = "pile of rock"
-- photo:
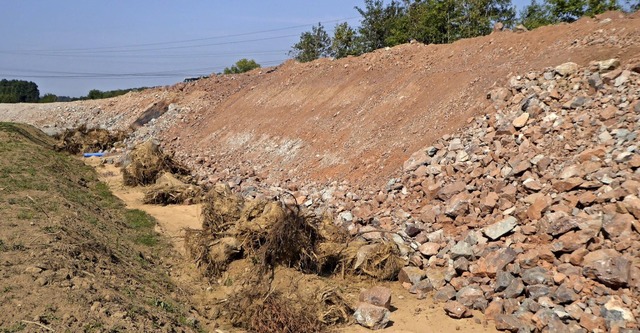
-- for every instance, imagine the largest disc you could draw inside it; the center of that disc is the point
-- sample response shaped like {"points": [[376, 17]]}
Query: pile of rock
{"points": [[531, 213]]}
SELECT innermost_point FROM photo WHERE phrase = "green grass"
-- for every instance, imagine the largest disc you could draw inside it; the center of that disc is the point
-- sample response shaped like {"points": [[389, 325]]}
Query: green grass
{"points": [[138, 219], [149, 239], [18, 327]]}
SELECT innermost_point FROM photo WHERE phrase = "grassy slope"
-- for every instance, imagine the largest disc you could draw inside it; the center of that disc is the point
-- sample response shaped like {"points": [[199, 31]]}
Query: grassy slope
{"points": [[72, 257]]}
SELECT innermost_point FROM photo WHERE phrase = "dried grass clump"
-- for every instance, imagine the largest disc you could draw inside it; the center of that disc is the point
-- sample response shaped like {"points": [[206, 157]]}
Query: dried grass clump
{"points": [[172, 195], [334, 310], [212, 256], [221, 210], [260, 307], [381, 261], [83, 139], [146, 162]]}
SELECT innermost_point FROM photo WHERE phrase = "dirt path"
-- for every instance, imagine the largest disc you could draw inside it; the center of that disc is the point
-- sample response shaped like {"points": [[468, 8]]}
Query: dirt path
{"points": [[172, 219], [410, 315]]}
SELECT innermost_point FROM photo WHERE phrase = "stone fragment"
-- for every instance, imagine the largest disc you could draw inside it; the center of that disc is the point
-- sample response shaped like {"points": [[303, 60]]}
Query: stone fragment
{"points": [[607, 266], [471, 296], [537, 275], [500, 228], [457, 310], [461, 249], [565, 295], [608, 65], [567, 68], [429, 249], [495, 261], [444, 294], [411, 274], [507, 322], [372, 316], [521, 120], [379, 296]]}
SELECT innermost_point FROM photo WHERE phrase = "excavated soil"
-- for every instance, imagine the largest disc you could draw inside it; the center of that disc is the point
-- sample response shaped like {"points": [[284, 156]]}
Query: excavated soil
{"points": [[356, 118]]}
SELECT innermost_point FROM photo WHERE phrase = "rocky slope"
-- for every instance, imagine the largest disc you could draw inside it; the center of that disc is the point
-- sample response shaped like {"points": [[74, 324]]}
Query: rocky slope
{"points": [[521, 198], [531, 213]]}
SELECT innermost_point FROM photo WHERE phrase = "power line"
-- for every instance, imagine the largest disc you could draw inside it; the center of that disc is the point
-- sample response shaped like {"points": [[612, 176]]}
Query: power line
{"points": [[86, 75], [106, 48]]}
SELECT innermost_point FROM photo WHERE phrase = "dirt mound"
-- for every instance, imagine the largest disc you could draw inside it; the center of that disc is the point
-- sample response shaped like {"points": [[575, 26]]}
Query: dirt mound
{"points": [[73, 258]]}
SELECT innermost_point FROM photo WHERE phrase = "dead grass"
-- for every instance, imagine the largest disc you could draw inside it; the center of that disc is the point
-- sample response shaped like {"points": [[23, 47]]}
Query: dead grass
{"points": [[146, 163], [83, 140]]}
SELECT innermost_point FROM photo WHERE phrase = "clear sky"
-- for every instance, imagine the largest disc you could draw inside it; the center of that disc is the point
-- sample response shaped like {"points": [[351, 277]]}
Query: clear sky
{"points": [[70, 47]]}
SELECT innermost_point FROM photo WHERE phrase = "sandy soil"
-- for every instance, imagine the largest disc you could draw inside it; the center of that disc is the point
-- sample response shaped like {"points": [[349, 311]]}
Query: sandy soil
{"points": [[410, 315]]}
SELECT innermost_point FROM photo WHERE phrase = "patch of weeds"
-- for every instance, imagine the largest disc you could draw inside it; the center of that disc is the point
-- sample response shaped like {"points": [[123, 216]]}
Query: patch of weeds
{"points": [[3, 247], [51, 229], [228, 282], [17, 327], [18, 247], [138, 219], [25, 214], [93, 327], [147, 240], [6, 289], [93, 220], [102, 190], [166, 306]]}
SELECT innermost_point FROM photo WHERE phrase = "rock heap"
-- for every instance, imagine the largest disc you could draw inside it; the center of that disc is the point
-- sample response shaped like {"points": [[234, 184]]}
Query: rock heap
{"points": [[530, 214]]}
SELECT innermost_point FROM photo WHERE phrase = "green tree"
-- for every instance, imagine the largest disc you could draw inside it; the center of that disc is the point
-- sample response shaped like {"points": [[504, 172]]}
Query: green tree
{"points": [[242, 66], [313, 45], [344, 42], [571, 10], [378, 21], [49, 98], [536, 15], [18, 91]]}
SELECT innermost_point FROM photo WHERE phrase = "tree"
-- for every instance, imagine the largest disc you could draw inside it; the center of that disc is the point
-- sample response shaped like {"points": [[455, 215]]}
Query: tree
{"points": [[242, 66], [344, 42], [571, 10], [49, 98], [377, 23], [536, 15], [313, 45], [18, 91]]}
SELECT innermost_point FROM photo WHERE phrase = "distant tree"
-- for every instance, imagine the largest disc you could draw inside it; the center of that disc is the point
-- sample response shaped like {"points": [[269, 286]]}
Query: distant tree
{"points": [[344, 42], [313, 45], [18, 91], [49, 98], [95, 94], [241, 66], [536, 15]]}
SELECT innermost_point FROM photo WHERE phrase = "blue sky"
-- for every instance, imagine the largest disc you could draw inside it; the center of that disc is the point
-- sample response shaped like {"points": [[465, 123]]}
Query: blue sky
{"points": [[70, 47]]}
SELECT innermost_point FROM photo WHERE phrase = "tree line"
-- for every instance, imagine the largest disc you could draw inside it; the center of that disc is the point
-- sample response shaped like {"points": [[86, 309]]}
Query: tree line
{"points": [[20, 91], [438, 22]]}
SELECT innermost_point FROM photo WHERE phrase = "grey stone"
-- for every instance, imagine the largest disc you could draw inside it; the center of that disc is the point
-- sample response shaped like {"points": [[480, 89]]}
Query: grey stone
{"points": [[461, 249], [500, 228], [537, 275], [445, 293], [503, 280], [470, 296], [371, 316], [538, 290]]}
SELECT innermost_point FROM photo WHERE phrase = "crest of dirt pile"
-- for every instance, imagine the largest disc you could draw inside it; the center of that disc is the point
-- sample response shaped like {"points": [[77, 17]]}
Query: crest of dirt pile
{"points": [[72, 258], [357, 118]]}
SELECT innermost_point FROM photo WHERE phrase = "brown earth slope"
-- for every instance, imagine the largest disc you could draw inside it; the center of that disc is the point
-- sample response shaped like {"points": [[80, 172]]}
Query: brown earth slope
{"points": [[355, 118]]}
